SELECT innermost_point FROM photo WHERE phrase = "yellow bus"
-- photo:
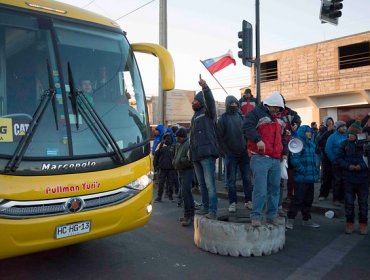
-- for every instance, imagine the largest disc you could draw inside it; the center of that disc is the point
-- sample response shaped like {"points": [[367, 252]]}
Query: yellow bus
{"points": [[74, 132]]}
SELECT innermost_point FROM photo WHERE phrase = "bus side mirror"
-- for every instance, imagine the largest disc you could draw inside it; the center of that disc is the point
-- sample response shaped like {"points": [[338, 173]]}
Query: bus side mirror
{"points": [[165, 62]]}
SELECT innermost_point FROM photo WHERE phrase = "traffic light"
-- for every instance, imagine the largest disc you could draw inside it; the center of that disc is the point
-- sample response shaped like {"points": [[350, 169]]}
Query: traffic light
{"points": [[331, 11], [246, 53]]}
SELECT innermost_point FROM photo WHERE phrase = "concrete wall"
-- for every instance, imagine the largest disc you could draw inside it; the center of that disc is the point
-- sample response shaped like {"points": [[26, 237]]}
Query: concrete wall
{"points": [[310, 79]]}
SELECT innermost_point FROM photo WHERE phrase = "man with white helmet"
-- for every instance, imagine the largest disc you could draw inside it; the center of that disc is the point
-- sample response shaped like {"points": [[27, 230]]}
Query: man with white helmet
{"points": [[265, 132]]}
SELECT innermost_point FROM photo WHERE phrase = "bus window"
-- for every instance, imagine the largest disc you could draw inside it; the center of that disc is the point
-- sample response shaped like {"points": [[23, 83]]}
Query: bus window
{"points": [[108, 62], [24, 58]]}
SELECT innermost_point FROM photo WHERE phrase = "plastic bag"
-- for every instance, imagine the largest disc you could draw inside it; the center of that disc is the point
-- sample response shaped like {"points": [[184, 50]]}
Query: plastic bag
{"points": [[284, 167]]}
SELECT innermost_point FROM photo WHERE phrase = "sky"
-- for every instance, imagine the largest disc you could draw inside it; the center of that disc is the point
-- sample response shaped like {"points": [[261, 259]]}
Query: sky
{"points": [[198, 30]]}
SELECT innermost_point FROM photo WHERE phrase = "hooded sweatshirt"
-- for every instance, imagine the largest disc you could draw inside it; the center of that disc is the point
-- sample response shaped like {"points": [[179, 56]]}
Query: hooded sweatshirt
{"points": [[170, 132], [230, 130], [165, 153], [274, 99]]}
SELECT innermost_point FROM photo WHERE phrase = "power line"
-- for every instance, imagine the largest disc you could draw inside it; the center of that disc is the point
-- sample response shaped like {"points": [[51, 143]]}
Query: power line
{"points": [[134, 10], [103, 9], [88, 4]]}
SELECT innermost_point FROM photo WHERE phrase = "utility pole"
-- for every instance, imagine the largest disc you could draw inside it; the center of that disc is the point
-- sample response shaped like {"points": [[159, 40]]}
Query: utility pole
{"points": [[258, 61], [163, 43]]}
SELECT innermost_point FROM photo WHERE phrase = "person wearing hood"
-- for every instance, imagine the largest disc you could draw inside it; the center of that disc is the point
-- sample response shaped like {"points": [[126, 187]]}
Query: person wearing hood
{"points": [[326, 170], [163, 158], [331, 150], [305, 175], [158, 135], [356, 179], [203, 148], [174, 129], [233, 147], [170, 132], [265, 132]]}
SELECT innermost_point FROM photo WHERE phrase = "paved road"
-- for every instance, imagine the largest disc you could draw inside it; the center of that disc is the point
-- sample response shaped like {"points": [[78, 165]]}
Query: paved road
{"points": [[165, 250]]}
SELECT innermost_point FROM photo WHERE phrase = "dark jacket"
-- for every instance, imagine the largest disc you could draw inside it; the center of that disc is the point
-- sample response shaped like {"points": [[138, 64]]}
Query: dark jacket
{"points": [[290, 117], [260, 125], [304, 162], [351, 153], [203, 142], [315, 131], [321, 139], [164, 155], [230, 130], [182, 161]]}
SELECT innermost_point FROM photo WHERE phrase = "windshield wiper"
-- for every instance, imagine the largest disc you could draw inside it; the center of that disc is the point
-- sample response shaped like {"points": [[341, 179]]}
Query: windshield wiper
{"points": [[73, 93], [80, 102], [21, 149], [53, 98]]}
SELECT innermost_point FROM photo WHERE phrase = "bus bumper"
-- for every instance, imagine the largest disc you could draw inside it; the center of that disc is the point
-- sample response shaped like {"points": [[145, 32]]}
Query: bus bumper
{"points": [[23, 236]]}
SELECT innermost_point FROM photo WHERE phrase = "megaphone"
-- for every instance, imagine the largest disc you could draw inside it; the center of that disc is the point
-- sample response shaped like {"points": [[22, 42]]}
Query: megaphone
{"points": [[295, 145]]}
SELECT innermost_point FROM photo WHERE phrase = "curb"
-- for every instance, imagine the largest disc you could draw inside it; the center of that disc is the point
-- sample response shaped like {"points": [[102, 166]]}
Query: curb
{"points": [[316, 207]]}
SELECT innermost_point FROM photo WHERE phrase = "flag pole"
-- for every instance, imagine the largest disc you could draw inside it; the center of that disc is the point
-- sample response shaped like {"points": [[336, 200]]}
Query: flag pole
{"points": [[214, 78]]}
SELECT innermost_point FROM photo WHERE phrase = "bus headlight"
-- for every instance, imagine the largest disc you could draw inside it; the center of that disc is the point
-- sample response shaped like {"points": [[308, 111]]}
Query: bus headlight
{"points": [[142, 182], [149, 208]]}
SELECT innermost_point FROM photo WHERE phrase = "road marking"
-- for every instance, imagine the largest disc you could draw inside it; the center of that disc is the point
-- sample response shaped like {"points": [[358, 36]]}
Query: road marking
{"points": [[324, 261]]}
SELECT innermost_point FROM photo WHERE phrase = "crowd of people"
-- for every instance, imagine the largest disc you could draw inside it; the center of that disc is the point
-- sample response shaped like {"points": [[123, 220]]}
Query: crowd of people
{"points": [[253, 139]]}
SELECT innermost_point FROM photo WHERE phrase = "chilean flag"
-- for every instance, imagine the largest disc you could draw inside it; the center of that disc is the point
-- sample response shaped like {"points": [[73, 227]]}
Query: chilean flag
{"points": [[217, 63]]}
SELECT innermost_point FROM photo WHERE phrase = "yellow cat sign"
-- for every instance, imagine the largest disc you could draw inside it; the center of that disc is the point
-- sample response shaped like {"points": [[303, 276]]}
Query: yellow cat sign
{"points": [[6, 130]]}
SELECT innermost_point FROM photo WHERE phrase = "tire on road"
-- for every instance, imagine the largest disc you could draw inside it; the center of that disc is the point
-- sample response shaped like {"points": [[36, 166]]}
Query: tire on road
{"points": [[237, 239]]}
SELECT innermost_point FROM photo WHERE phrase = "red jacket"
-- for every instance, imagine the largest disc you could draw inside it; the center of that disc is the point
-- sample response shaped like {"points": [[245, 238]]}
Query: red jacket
{"points": [[247, 104], [260, 125]]}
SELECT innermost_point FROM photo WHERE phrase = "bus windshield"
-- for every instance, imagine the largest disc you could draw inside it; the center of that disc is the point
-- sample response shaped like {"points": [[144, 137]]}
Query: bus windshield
{"points": [[105, 75]]}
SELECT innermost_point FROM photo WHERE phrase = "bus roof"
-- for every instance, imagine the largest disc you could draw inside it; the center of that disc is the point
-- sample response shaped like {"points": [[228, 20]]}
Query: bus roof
{"points": [[60, 9]]}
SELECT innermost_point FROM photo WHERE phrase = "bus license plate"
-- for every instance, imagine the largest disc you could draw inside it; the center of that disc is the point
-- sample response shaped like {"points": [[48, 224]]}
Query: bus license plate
{"points": [[72, 229]]}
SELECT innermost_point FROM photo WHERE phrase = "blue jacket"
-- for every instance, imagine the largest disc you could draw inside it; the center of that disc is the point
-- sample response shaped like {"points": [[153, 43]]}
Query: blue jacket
{"points": [[333, 144], [304, 162], [158, 138]]}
